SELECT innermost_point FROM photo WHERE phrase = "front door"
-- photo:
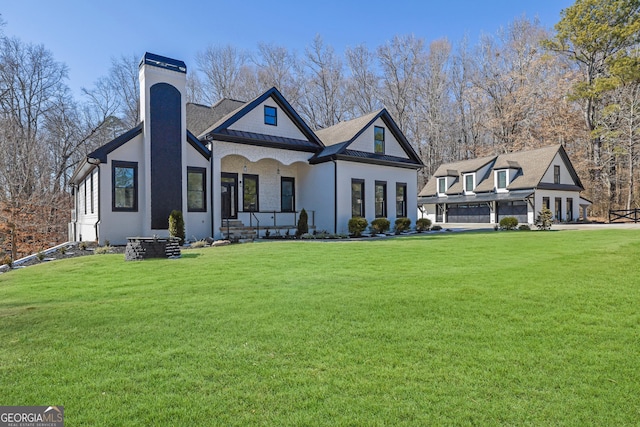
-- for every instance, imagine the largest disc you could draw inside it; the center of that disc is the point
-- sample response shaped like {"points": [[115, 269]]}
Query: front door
{"points": [[229, 195]]}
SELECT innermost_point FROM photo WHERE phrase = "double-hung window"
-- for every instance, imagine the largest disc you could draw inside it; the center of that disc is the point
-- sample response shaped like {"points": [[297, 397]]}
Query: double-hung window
{"points": [[196, 189], [270, 116], [556, 174], [401, 200], [124, 186], [501, 179], [378, 142], [381, 199], [442, 185], [468, 182]]}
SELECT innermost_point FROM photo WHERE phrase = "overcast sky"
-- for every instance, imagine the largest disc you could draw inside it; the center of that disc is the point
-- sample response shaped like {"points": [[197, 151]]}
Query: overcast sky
{"points": [[86, 34]]}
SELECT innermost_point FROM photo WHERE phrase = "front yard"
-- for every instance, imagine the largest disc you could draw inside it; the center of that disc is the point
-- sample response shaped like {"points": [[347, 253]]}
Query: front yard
{"points": [[479, 328]]}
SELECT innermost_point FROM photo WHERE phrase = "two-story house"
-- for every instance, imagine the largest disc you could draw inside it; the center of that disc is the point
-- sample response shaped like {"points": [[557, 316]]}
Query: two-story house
{"points": [[518, 184]]}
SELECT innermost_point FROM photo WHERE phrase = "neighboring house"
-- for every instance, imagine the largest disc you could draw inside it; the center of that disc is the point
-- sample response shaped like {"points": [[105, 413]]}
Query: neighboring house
{"points": [[487, 189], [238, 164]]}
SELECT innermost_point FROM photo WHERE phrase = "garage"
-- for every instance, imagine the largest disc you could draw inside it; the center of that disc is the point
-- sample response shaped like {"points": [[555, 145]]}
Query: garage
{"points": [[469, 213], [517, 209]]}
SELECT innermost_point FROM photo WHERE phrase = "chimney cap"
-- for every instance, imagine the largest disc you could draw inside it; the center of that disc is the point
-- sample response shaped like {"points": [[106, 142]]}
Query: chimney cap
{"points": [[163, 62]]}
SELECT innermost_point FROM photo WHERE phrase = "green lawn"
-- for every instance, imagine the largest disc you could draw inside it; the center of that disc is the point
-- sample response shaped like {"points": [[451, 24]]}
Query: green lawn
{"points": [[509, 328]]}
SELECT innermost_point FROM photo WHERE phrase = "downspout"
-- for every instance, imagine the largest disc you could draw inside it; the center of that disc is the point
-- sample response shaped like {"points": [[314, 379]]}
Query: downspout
{"points": [[211, 192], [335, 197], [74, 189]]}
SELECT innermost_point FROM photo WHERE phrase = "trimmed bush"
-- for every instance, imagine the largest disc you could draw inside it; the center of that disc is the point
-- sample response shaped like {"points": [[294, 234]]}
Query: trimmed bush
{"points": [[380, 225], [176, 225], [436, 228], [357, 225], [524, 227], [402, 224], [544, 219], [303, 226], [423, 224], [509, 223]]}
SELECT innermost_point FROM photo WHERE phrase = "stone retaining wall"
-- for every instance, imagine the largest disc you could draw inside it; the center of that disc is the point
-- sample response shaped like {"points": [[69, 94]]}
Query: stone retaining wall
{"points": [[139, 248]]}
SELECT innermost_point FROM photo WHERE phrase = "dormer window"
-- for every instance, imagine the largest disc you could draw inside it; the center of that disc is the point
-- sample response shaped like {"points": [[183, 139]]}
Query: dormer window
{"points": [[501, 180], [442, 185], [378, 140], [270, 116], [469, 181]]}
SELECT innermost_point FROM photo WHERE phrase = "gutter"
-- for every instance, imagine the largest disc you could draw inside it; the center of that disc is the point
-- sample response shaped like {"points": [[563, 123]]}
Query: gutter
{"points": [[335, 196]]}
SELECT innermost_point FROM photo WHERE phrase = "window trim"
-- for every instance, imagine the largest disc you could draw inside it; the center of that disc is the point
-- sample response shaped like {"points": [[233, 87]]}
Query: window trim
{"points": [[274, 116], [506, 179], [245, 208], [444, 181], [360, 182], [403, 212], [383, 213], [473, 184], [129, 165], [292, 180], [375, 140], [203, 173]]}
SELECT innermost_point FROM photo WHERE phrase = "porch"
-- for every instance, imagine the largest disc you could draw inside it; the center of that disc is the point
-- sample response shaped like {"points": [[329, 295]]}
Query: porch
{"points": [[250, 225]]}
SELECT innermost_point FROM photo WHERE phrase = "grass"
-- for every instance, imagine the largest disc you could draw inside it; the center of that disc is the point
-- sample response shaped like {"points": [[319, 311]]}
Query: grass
{"points": [[509, 328]]}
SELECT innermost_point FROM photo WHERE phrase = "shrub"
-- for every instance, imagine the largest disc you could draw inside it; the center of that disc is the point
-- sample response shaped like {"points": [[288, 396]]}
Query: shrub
{"points": [[402, 224], [101, 250], [380, 225], [524, 227], [423, 224], [509, 223], [176, 225], [40, 256], [357, 225], [62, 250], [544, 219], [436, 228], [82, 246], [303, 226], [6, 260]]}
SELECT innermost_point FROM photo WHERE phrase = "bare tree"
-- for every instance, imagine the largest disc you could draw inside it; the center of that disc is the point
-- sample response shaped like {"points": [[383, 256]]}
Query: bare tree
{"points": [[322, 100], [363, 88], [277, 67], [222, 67]]}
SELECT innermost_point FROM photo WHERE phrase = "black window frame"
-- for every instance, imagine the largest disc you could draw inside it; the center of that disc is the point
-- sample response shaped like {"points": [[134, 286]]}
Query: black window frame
{"points": [[382, 212], [360, 183], [546, 202], [245, 178], [84, 185], [402, 212], [203, 173], [556, 174], [558, 208], [569, 214], [124, 165], [376, 140], [292, 180], [269, 118]]}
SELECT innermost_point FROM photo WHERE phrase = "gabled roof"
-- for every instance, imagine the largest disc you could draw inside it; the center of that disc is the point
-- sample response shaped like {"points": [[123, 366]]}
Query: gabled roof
{"points": [[454, 169], [338, 138], [200, 117], [220, 131], [531, 166], [101, 152]]}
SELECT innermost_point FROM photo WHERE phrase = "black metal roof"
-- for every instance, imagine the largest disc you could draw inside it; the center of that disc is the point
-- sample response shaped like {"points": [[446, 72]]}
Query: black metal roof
{"points": [[163, 62], [517, 195]]}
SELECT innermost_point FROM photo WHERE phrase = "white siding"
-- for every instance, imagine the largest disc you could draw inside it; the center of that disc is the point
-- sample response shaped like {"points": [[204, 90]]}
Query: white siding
{"points": [[365, 141], [197, 224], [253, 121], [552, 195], [565, 176], [86, 222], [370, 174], [316, 193]]}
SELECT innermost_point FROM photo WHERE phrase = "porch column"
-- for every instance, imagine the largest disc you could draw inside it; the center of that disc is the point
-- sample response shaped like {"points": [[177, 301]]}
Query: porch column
{"points": [[216, 212]]}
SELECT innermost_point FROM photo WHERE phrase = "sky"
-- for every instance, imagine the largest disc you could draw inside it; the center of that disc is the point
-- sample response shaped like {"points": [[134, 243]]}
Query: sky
{"points": [[87, 34]]}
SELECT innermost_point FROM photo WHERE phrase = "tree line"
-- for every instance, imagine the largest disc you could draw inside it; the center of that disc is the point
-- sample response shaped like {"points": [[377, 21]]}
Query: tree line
{"points": [[523, 87]]}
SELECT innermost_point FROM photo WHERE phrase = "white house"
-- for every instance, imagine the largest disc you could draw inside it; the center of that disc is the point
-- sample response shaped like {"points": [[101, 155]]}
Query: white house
{"points": [[519, 184], [236, 165]]}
